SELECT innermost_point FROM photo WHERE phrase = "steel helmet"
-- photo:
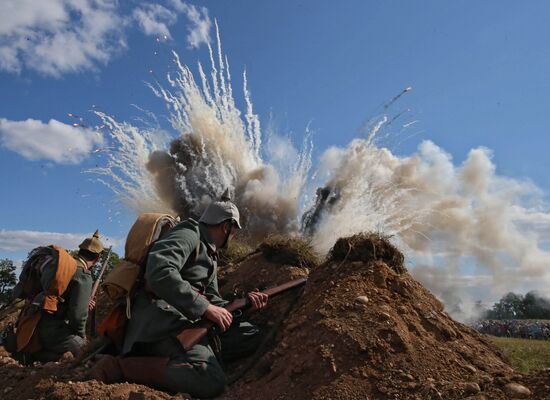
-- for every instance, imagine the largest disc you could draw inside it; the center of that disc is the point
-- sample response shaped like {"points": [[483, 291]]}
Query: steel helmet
{"points": [[221, 210]]}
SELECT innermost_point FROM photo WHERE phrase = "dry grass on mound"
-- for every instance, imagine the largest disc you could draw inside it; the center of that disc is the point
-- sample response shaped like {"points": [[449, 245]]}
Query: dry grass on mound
{"points": [[290, 251], [235, 253], [368, 247]]}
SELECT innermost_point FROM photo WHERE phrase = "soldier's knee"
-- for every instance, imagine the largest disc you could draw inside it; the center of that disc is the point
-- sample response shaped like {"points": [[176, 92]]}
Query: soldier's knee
{"points": [[199, 380]]}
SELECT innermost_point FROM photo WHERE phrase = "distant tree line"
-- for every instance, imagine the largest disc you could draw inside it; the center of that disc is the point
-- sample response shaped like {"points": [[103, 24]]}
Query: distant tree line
{"points": [[518, 306], [8, 279]]}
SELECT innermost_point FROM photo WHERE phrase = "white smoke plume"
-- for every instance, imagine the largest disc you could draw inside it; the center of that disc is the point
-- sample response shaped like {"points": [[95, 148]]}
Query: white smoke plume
{"points": [[215, 149], [465, 219]]}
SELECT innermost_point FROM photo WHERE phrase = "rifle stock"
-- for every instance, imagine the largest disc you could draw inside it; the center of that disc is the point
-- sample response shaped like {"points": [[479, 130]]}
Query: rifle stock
{"points": [[193, 335]]}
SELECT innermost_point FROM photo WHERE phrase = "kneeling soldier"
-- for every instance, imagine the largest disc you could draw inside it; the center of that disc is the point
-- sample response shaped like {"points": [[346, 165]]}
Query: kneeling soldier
{"points": [[59, 288], [65, 330], [181, 287]]}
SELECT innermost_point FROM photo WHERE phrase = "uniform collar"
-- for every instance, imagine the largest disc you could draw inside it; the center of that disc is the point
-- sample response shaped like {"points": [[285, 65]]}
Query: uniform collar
{"points": [[80, 261], [207, 239]]}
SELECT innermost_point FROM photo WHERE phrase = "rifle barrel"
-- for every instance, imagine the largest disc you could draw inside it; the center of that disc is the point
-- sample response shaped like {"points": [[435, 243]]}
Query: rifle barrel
{"points": [[103, 267]]}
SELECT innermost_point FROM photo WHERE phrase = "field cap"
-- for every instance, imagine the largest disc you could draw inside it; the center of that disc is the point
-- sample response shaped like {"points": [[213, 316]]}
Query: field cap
{"points": [[221, 210]]}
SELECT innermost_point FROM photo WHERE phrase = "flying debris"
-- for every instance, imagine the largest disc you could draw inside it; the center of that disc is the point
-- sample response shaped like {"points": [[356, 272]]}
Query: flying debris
{"points": [[399, 115], [75, 116], [388, 104], [102, 149], [410, 123]]}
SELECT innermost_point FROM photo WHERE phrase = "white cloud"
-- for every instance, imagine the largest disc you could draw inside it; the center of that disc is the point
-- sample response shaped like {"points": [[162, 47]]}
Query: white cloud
{"points": [[17, 241], [200, 23], [55, 37], [154, 19], [59, 36], [54, 141]]}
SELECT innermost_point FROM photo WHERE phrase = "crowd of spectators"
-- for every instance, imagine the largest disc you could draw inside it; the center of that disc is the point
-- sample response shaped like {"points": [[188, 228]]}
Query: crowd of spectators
{"points": [[517, 328]]}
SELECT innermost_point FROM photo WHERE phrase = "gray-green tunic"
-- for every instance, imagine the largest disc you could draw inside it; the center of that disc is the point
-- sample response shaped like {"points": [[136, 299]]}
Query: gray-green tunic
{"points": [[70, 319], [180, 281]]}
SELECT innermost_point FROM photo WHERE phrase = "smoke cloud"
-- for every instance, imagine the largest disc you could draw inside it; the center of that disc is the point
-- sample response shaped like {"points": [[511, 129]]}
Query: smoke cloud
{"points": [[465, 219]]}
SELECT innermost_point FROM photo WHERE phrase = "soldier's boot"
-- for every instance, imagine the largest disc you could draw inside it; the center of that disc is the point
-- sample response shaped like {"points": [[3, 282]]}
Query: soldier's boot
{"points": [[108, 370], [149, 371]]}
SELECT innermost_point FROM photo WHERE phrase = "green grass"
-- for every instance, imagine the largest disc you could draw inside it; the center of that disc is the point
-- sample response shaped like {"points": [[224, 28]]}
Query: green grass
{"points": [[524, 354]]}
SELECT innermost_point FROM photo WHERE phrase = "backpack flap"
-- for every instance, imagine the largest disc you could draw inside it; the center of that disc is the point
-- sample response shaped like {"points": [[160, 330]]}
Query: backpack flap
{"points": [[66, 268], [120, 281]]}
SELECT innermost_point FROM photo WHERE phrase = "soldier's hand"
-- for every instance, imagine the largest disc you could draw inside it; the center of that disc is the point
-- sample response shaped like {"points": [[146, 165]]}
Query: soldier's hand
{"points": [[258, 300], [91, 304], [220, 316]]}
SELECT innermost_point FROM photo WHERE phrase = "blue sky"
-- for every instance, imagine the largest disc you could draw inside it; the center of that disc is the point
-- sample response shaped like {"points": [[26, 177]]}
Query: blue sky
{"points": [[480, 73]]}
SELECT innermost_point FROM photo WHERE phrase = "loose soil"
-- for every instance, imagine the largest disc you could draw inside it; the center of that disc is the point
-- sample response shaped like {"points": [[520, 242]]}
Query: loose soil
{"points": [[362, 328]]}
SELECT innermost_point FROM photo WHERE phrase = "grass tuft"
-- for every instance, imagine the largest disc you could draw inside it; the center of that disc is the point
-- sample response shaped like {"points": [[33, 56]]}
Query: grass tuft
{"points": [[290, 251], [235, 252], [368, 247]]}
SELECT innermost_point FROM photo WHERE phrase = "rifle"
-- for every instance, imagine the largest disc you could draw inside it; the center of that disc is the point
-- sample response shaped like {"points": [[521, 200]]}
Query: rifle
{"points": [[194, 334], [95, 287], [101, 271]]}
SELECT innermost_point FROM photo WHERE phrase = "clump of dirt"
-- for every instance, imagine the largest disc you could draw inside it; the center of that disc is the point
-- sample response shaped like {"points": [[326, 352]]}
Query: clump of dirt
{"points": [[368, 247], [289, 250]]}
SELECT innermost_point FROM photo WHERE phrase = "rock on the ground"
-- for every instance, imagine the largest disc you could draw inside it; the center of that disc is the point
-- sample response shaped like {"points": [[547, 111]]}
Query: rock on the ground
{"points": [[516, 391], [470, 388]]}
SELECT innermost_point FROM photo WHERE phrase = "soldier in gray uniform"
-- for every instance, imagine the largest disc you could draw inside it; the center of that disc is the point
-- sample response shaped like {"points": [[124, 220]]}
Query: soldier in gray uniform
{"points": [[182, 287], [65, 330]]}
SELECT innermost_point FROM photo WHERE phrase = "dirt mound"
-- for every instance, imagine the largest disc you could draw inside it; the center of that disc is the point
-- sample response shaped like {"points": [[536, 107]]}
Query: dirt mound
{"points": [[366, 329], [363, 328]]}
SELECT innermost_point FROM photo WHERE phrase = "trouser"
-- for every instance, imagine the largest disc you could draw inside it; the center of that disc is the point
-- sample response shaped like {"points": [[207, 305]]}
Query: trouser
{"points": [[56, 339], [197, 371]]}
